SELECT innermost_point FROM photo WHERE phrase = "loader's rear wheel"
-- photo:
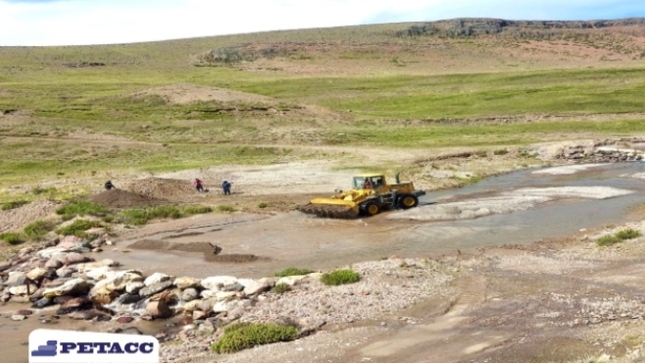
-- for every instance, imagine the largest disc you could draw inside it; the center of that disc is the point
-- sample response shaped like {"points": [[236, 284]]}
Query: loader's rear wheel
{"points": [[372, 209], [408, 201]]}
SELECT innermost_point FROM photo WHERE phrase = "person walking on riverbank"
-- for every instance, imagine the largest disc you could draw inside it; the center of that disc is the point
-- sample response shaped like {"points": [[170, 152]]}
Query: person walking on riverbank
{"points": [[226, 187], [199, 185]]}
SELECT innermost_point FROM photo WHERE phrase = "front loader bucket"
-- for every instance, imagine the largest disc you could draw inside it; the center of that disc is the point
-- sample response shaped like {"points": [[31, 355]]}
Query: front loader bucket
{"points": [[331, 208]]}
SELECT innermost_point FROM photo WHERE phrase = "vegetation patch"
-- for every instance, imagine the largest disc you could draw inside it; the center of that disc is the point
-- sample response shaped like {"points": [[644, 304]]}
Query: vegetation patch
{"points": [[12, 238], [340, 277], [38, 229], [293, 271], [78, 227], [225, 208], [242, 336], [619, 236], [143, 216], [14, 204], [81, 208], [196, 209]]}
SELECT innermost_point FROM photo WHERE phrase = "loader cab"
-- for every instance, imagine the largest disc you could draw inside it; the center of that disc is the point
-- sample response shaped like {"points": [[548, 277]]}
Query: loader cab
{"points": [[369, 181]]}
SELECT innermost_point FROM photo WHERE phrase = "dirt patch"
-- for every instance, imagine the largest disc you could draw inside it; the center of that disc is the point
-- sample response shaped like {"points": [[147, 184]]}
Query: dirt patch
{"points": [[16, 219], [162, 188], [184, 94], [118, 198]]}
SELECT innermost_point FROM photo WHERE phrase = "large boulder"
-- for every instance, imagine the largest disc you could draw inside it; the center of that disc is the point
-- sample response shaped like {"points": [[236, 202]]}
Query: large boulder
{"points": [[158, 309], [156, 278], [36, 274], [217, 282], [252, 287], [156, 288], [187, 282]]}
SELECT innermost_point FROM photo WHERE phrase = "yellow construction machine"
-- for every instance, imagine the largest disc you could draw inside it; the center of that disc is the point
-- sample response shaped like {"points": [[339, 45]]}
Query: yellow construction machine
{"points": [[370, 194]]}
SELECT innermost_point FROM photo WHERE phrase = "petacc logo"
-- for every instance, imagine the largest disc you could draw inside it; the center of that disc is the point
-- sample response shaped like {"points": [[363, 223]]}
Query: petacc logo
{"points": [[63, 346]]}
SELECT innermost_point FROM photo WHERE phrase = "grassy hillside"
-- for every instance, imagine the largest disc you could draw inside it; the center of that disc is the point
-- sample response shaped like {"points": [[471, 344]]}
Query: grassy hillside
{"points": [[253, 98]]}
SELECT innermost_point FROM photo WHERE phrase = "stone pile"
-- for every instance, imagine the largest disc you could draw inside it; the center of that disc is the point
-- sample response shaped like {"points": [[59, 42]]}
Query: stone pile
{"points": [[601, 152]]}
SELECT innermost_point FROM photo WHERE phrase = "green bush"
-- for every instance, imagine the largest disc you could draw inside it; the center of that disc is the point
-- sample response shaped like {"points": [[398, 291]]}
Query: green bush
{"points": [[293, 271], [196, 209], [14, 204], [12, 238], [243, 336], [263, 205], [607, 240], [500, 152], [81, 208], [78, 227], [38, 229], [340, 277], [281, 288], [628, 234]]}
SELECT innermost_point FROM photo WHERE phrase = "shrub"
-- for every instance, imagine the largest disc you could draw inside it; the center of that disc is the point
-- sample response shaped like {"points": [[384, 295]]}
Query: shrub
{"points": [[628, 234], [607, 240], [293, 271], [340, 277], [78, 227], [263, 205], [14, 204], [142, 216], [38, 229], [225, 208], [81, 208], [40, 190], [281, 288], [500, 152], [196, 209], [243, 336], [12, 238]]}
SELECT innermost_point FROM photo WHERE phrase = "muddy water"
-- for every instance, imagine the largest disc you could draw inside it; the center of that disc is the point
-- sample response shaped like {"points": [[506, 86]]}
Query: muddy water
{"points": [[294, 239]]}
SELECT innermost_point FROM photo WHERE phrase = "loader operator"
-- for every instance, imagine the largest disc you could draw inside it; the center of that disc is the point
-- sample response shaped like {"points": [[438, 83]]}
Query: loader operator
{"points": [[367, 184]]}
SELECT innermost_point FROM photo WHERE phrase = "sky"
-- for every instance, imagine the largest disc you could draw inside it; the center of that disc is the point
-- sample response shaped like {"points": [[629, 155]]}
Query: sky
{"points": [[83, 22]]}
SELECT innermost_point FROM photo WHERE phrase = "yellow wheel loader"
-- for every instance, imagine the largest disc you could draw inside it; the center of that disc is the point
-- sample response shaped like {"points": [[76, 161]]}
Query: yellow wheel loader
{"points": [[370, 194]]}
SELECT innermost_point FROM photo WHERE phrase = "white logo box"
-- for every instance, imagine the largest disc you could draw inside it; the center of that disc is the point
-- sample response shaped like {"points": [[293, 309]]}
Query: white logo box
{"points": [[66, 346]]}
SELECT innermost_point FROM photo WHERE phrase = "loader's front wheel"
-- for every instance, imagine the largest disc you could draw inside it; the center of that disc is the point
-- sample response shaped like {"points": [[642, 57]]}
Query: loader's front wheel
{"points": [[372, 209], [408, 201]]}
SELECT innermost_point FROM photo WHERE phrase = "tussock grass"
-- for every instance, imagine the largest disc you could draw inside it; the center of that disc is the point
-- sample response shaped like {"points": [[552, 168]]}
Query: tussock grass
{"points": [[242, 336], [622, 235], [12, 238], [38, 229], [81, 208], [281, 288], [340, 277], [78, 227], [142, 216]]}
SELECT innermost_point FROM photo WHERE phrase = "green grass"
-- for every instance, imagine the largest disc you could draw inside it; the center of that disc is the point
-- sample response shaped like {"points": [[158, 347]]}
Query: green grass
{"points": [[225, 208], [78, 227], [242, 336], [38, 229], [14, 204], [293, 271], [12, 238], [142, 216], [196, 209], [622, 235], [340, 277], [82, 208]]}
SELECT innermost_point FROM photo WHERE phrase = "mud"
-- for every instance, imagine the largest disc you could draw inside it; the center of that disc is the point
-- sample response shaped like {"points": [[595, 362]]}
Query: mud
{"points": [[117, 198]]}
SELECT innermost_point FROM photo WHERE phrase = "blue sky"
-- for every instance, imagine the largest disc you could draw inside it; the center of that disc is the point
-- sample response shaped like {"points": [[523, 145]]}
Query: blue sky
{"points": [[74, 22]]}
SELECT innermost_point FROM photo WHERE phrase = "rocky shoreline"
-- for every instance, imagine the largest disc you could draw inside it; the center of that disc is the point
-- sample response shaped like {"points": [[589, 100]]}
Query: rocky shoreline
{"points": [[60, 281]]}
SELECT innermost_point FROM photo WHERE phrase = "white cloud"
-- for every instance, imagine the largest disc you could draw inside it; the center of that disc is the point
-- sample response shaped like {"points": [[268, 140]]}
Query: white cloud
{"points": [[67, 22]]}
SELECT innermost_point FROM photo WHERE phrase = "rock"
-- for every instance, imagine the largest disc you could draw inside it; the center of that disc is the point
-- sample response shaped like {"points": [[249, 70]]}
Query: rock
{"points": [[199, 315], [75, 304], [42, 303], [125, 320], [189, 294], [291, 280], [194, 305], [4, 266], [187, 282], [73, 258], [24, 312], [83, 267], [128, 299], [75, 287], [134, 287], [19, 299], [17, 317], [156, 278], [16, 278], [158, 309], [36, 274], [53, 263], [156, 288], [129, 330], [60, 300], [224, 306], [102, 295], [65, 272], [234, 287], [217, 282], [99, 273], [252, 287], [85, 315], [23, 289]]}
